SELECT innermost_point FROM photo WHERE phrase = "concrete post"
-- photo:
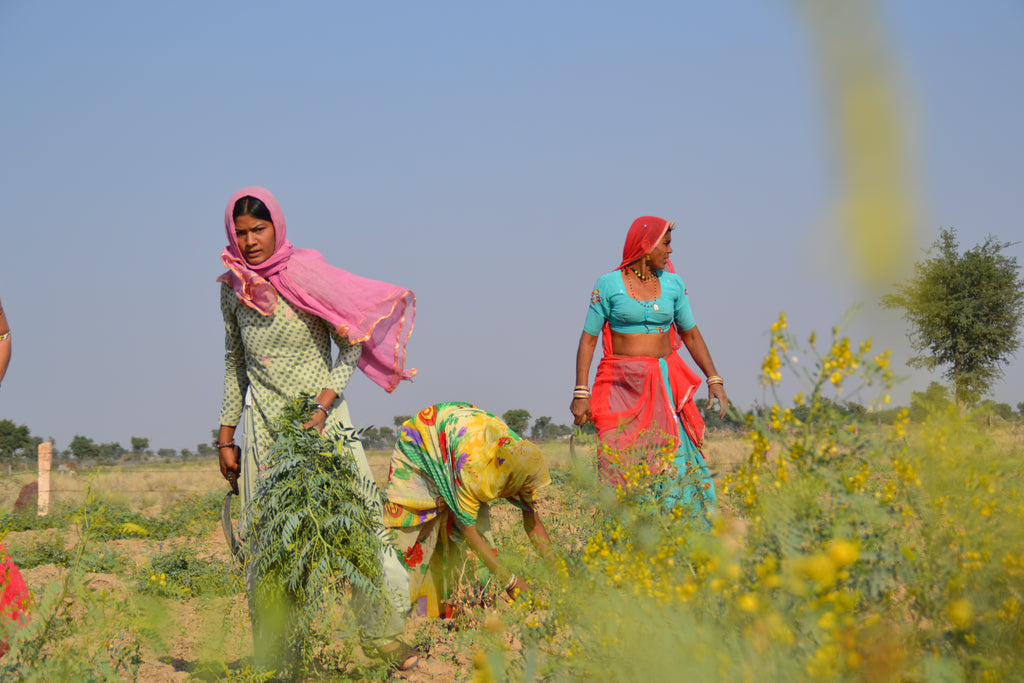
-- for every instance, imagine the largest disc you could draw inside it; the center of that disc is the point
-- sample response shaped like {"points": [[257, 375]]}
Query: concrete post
{"points": [[45, 460]]}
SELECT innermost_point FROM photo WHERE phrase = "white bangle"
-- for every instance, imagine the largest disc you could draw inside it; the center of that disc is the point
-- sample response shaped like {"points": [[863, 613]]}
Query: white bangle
{"points": [[512, 581]]}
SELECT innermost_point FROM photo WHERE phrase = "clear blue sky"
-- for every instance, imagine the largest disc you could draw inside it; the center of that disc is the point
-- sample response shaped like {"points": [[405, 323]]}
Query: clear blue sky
{"points": [[488, 156]]}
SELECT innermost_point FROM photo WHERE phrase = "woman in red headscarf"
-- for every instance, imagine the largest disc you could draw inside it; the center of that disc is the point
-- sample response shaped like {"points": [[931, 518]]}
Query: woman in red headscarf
{"points": [[642, 400]]}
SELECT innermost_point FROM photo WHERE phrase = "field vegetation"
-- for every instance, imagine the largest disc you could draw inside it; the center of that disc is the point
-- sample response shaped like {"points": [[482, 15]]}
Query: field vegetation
{"points": [[841, 550]]}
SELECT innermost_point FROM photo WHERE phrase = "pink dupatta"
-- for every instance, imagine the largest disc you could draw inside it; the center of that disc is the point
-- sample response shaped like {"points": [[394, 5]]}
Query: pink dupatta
{"points": [[378, 314]]}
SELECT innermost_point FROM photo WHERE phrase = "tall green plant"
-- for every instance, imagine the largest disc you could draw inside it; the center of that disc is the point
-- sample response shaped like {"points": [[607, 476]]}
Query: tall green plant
{"points": [[312, 526]]}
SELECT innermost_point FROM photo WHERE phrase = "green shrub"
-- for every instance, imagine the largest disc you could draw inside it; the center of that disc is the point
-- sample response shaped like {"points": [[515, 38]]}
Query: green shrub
{"points": [[841, 552], [182, 574]]}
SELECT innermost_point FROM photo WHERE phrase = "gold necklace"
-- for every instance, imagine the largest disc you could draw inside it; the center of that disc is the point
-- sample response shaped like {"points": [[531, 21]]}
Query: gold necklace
{"points": [[641, 278]]}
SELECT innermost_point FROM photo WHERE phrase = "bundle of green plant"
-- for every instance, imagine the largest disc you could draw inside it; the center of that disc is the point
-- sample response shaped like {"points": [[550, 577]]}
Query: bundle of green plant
{"points": [[312, 527], [181, 573]]}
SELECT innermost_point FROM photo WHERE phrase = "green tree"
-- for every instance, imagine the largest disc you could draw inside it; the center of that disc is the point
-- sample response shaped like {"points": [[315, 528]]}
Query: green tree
{"points": [[965, 312], [205, 450], [1001, 410], [84, 447], [539, 427], [139, 444], [935, 397], [518, 419], [110, 450], [399, 419], [13, 438], [386, 438]]}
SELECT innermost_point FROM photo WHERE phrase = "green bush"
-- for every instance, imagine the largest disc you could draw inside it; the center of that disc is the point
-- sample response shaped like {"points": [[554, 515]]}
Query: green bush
{"points": [[182, 574], [841, 552]]}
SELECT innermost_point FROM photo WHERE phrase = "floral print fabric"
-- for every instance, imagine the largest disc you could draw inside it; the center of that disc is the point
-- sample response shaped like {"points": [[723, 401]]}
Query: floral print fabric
{"points": [[451, 460], [456, 456]]}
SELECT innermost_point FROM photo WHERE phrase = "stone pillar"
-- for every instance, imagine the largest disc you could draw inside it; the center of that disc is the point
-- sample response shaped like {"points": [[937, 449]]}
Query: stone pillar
{"points": [[45, 460]]}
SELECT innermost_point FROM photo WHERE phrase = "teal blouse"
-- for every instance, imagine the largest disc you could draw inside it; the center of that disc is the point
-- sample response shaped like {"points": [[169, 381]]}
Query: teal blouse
{"points": [[612, 303]]}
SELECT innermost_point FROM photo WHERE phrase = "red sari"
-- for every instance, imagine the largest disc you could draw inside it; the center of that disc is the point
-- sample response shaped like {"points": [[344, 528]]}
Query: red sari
{"points": [[14, 596], [635, 420]]}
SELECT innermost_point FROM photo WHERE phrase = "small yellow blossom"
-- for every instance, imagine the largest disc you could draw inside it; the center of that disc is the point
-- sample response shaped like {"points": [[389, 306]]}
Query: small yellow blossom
{"points": [[960, 612]]}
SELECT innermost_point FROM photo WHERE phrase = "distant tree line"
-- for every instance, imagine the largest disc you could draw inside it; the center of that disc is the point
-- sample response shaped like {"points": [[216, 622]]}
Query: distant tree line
{"points": [[16, 441]]}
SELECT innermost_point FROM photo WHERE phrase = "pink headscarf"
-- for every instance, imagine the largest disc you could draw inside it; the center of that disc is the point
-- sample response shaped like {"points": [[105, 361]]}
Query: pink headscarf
{"points": [[644, 235], [378, 314]]}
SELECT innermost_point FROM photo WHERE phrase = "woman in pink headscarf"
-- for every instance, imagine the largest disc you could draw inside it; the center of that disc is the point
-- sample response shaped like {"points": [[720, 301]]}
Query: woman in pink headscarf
{"points": [[282, 306], [642, 400]]}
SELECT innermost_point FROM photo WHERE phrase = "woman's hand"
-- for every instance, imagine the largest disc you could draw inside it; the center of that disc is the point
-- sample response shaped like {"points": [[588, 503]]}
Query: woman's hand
{"points": [[318, 421], [230, 467], [580, 409], [717, 391], [324, 400]]}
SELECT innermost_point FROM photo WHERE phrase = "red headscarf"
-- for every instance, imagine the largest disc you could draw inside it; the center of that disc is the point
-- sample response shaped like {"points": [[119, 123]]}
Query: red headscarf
{"points": [[644, 235]]}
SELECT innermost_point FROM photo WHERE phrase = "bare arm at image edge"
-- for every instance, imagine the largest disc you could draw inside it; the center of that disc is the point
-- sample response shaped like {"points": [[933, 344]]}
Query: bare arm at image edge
{"points": [[5, 343]]}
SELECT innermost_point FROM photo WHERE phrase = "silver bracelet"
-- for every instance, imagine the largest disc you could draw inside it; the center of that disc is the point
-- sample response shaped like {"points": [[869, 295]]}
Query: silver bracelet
{"points": [[318, 406]]}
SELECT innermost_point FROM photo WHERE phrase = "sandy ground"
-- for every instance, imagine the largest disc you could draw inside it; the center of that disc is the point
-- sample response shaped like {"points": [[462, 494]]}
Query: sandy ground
{"points": [[199, 630]]}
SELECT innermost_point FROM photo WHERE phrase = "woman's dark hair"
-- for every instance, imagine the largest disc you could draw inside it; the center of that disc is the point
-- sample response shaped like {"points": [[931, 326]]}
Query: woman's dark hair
{"points": [[250, 206]]}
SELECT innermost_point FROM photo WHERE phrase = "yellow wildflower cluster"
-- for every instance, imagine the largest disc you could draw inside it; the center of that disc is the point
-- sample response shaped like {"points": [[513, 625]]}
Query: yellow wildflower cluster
{"points": [[853, 483], [612, 556], [636, 477], [158, 580], [771, 368], [840, 362], [907, 470]]}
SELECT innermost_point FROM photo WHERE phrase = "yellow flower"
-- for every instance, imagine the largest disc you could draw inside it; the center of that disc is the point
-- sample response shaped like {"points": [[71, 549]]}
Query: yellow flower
{"points": [[960, 612], [842, 553], [747, 602], [820, 568]]}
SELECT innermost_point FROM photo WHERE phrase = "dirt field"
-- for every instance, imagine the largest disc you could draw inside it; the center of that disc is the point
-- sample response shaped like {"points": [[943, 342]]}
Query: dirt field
{"points": [[217, 629]]}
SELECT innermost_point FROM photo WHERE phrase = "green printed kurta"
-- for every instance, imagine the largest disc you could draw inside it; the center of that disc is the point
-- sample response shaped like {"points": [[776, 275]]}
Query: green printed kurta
{"points": [[275, 358]]}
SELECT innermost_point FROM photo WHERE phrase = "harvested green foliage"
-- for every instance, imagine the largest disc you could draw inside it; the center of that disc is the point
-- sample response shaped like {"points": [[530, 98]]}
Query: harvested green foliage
{"points": [[314, 523]]}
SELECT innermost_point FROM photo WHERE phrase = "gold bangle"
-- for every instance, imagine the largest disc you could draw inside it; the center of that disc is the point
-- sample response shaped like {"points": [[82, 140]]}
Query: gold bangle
{"points": [[5, 336], [715, 379]]}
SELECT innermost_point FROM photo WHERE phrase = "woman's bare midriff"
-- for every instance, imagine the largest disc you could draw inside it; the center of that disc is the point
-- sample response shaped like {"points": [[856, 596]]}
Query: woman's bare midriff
{"points": [[656, 345]]}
